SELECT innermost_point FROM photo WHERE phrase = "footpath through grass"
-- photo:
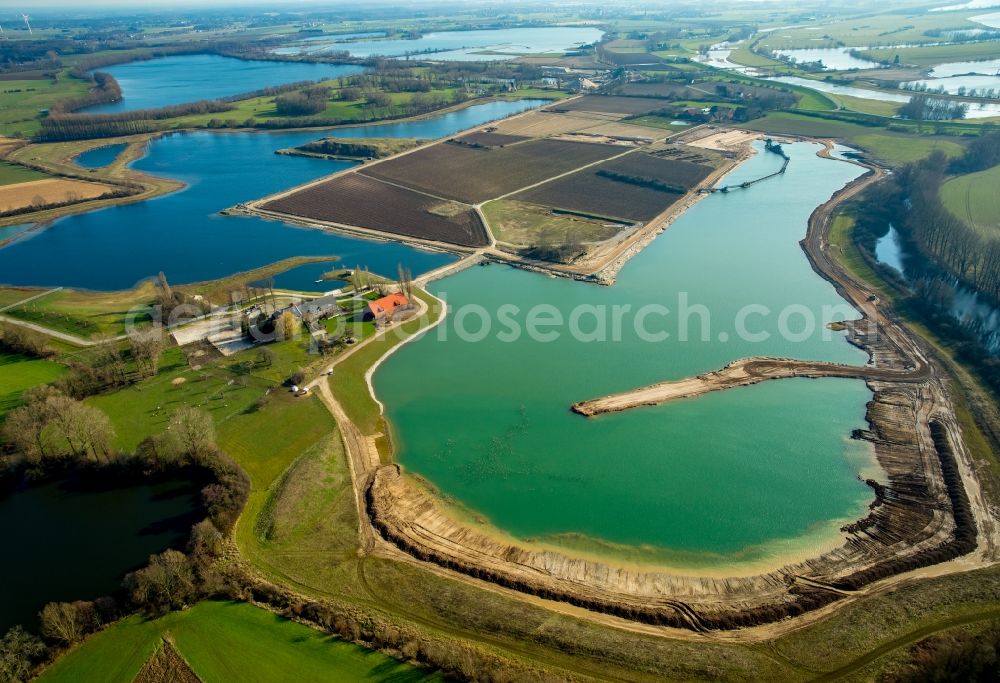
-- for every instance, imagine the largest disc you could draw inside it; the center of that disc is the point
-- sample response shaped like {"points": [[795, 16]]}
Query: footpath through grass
{"points": [[226, 641]]}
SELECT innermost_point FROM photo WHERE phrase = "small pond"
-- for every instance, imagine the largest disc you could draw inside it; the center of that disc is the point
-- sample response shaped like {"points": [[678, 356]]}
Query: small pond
{"points": [[99, 157], [74, 543]]}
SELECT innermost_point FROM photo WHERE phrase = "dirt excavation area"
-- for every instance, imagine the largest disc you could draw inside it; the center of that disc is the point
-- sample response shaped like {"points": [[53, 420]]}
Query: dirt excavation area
{"points": [[928, 516], [722, 140]]}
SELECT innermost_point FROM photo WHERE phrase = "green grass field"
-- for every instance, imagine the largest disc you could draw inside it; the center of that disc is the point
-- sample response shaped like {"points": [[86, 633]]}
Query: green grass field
{"points": [[896, 149], [228, 642], [866, 106], [304, 531], [526, 224], [87, 314], [22, 101], [14, 173], [747, 57], [904, 26], [931, 55], [893, 148], [18, 373], [227, 391], [263, 109], [661, 122], [974, 199], [813, 100]]}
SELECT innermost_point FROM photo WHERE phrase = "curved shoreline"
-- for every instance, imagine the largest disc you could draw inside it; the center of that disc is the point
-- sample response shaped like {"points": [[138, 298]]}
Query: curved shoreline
{"points": [[915, 522]]}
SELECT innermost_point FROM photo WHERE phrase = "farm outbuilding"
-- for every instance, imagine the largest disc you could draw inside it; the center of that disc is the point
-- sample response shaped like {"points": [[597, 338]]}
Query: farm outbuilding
{"points": [[384, 309]]}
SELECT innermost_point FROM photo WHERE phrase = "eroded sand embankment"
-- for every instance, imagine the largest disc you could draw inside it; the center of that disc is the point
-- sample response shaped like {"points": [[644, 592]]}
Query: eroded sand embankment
{"points": [[917, 519]]}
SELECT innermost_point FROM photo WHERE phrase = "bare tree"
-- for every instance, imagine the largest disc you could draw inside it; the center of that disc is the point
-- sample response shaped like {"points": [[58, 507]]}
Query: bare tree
{"points": [[194, 430], [22, 340], [108, 355], [167, 583], [23, 430], [19, 650], [68, 622], [165, 286], [53, 424], [84, 429], [147, 347]]}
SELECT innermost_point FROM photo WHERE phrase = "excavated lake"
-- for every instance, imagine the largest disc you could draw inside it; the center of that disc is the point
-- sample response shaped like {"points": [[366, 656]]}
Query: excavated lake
{"points": [[745, 476]]}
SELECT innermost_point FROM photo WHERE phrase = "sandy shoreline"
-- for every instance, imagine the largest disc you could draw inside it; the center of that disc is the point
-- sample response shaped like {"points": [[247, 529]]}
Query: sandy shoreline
{"points": [[820, 538]]}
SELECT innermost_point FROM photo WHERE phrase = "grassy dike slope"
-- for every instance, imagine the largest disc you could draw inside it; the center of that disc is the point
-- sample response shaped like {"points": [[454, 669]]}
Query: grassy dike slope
{"points": [[224, 641]]}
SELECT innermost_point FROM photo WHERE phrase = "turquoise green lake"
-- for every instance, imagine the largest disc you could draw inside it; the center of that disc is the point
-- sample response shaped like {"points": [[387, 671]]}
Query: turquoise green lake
{"points": [[749, 474]]}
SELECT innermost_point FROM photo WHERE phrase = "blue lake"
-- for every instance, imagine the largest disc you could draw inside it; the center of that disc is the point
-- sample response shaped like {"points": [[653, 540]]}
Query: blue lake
{"points": [[189, 78], [306, 278], [99, 156], [481, 45], [182, 233], [889, 250]]}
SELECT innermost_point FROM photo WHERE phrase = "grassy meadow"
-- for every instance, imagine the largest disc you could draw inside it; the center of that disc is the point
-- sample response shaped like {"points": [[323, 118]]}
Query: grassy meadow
{"points": [[21, 102], [18, 373], [223, 641], [905, 26], [11, 174], [931, 55], [891, 147], [974, 199]]}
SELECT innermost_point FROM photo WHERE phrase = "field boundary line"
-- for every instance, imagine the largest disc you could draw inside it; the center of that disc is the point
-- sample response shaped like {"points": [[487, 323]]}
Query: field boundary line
{"points": [[413, 189], [550, 179]]}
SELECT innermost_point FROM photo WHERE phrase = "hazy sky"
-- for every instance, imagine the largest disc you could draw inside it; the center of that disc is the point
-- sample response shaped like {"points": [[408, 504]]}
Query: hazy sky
{"points": [[137, 7], [28, 5]]}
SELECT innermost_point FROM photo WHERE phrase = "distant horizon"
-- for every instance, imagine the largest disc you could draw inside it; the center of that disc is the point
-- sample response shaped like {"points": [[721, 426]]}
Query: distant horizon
{"points": [[29, 6]]}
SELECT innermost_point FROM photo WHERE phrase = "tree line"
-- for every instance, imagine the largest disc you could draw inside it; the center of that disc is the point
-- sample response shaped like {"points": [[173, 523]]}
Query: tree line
{"points": [[642, 181], [62, 126], [303, 103], [108, 365], [960, 248], [944, 248], [924, 108], [39, 204]]}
